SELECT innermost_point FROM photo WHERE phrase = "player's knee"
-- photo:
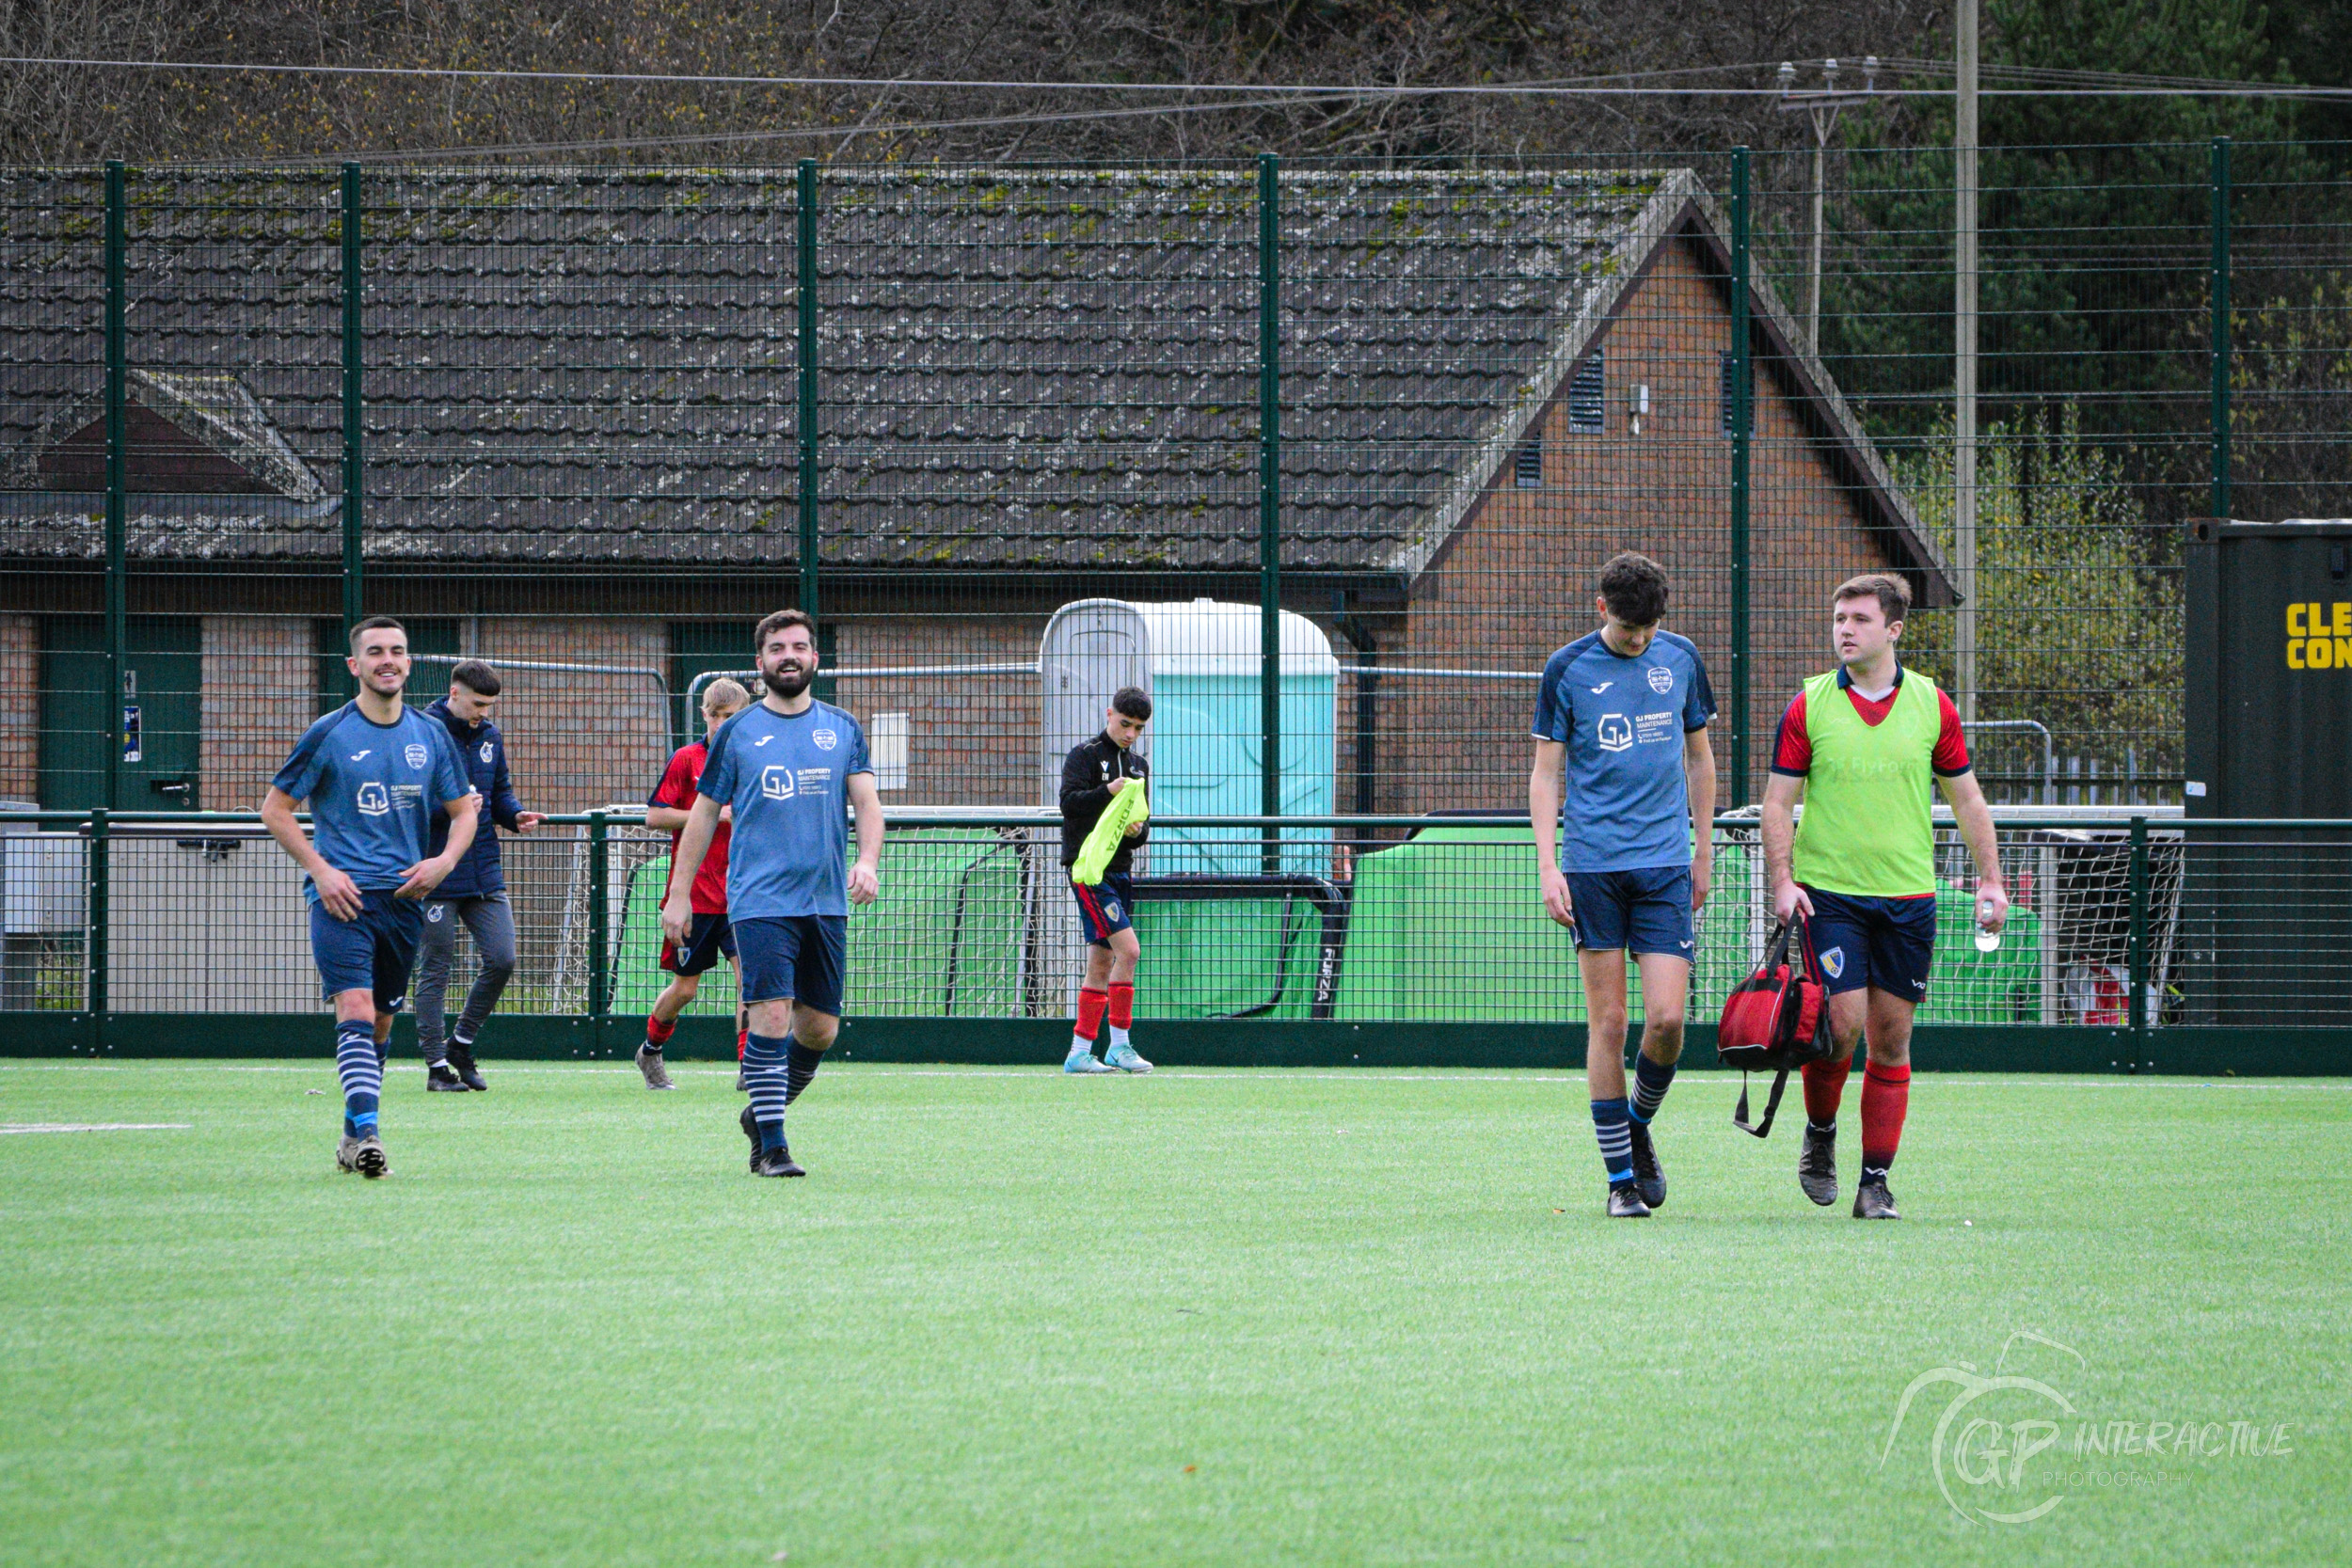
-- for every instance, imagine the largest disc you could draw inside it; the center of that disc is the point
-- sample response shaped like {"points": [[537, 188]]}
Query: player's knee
{"points": [[501, 969], [1607, 1016], [816, 1030], [1662, 1025]]}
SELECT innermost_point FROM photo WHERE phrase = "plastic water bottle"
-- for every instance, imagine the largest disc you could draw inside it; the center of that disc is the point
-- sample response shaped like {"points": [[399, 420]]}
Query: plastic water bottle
{"points": [[1988, 941]]}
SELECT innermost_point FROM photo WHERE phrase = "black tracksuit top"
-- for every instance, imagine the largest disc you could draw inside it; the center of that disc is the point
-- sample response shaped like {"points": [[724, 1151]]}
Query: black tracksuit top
{"points": [[1086, 776]]}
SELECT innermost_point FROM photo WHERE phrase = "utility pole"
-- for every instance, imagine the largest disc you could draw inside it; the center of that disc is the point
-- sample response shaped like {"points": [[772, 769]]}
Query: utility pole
{"points": [[1964, 366], [1822, 108]]}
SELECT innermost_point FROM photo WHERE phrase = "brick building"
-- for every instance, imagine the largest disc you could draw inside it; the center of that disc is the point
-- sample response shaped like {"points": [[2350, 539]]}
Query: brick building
{"points": [[584, 454]]}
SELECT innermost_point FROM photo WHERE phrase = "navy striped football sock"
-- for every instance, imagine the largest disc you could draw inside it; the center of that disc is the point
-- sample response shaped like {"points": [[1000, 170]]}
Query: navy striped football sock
{"points": [[764, 1076], [362, 1074], [1650, 1082], [800, 1065], [1617, 1140]]}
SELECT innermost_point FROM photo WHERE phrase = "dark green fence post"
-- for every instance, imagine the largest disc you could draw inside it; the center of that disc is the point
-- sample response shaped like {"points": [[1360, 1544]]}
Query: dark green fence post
{"points": [[355, 392], [95, 942], [1742, 419], [118, 370], [2219, 289], [1270, 502], [804, 254], [2136, 951], [599, 928]]}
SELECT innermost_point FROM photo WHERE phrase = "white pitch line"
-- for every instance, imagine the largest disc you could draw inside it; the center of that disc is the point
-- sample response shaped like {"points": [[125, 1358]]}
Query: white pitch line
{"points": [[1715, 1077], [95, 1126]]}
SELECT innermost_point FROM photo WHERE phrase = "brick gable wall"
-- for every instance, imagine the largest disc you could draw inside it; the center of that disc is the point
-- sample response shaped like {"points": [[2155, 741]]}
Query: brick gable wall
{"points": [[1518, 579]]}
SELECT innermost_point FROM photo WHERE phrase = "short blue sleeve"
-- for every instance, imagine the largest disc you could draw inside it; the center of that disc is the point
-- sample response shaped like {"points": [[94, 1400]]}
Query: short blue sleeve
{"points": [[449, 775], [859, 761], [718, 777], [1552, 720], [1698, 703], [308, 764]]}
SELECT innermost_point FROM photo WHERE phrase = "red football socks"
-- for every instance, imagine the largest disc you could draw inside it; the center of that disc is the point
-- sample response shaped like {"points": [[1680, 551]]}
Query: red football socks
{"points": [[657, 1033], [1123, 1006], [1091, 1003], [1885, 1095], [1824, 1086]]}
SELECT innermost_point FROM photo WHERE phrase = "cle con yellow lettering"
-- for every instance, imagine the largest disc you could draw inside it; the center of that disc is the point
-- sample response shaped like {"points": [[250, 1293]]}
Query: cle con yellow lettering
{"points": [[2294, 621], [2295, 653], [2340, 621]]}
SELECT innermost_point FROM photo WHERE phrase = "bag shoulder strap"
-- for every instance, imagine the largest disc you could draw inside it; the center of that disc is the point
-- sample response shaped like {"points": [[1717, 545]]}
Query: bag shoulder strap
{"points": [[1772, 1106]]}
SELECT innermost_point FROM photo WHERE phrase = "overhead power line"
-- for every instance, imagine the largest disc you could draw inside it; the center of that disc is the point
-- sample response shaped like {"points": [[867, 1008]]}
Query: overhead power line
{"points": [[817, 133]]}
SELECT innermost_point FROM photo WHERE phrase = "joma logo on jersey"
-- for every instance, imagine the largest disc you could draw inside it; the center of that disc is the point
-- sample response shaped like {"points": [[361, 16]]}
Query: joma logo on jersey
{"points": [[371, 800], [1614, 732], [776, 783]]}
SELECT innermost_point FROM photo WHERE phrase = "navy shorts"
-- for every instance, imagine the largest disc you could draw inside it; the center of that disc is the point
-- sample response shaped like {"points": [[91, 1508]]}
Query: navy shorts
{"points": [[1886, 943], [1646, 911], [708, 939], [1106, 909], [374, 951], [798, 956]]}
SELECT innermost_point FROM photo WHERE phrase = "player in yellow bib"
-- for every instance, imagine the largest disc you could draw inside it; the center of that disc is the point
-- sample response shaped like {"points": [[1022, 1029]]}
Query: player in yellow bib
{"points": [[1865, 745]]}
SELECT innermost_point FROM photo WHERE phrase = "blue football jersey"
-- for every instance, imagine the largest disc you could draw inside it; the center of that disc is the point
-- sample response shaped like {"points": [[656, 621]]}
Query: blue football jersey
{"points": [[787, 776], [373, 791], [1626, 805]]}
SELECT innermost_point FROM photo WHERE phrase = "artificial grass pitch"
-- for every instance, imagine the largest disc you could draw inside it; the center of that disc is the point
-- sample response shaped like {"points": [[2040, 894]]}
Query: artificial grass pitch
{"points": [[1196, 1318]]}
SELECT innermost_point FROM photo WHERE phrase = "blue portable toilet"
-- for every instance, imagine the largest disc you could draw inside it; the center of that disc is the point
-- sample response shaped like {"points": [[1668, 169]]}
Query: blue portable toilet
{"points": [[1200, 660]]}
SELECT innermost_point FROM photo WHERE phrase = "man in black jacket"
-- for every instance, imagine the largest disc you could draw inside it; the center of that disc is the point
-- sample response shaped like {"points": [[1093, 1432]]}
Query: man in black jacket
{"points": [[1090, 776], [475, 893]]}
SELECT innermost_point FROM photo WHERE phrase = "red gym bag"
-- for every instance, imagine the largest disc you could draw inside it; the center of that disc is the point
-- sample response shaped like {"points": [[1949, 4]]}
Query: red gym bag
{"points": [[1775, 1021]]}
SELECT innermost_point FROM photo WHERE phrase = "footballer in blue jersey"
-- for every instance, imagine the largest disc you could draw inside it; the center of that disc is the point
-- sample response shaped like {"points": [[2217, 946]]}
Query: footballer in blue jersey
{"points": [[1625, 776], [377, 773], [789, 769]]}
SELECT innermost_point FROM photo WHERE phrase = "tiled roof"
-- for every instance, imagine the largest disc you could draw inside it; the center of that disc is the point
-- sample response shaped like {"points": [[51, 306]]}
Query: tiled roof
{"points": [[1044, 370]]}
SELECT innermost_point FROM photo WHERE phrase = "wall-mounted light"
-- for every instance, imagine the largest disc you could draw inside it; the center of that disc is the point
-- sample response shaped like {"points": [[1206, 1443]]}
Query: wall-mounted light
{"points": [[1639, 403]]}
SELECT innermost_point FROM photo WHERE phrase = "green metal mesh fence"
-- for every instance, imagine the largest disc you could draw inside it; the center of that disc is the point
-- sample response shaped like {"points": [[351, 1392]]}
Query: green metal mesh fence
{"points": [[1327, 456], [1426, 920]]}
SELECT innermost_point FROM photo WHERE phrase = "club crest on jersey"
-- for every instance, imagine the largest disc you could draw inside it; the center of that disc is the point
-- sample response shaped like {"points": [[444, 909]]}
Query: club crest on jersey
{"points": [[1110, 909], [826, 741], [1614, 732], [1662, 680], [416, 756], [432, 912], [372, 800], [776, 783], [486, 751], [1834, 962]]}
